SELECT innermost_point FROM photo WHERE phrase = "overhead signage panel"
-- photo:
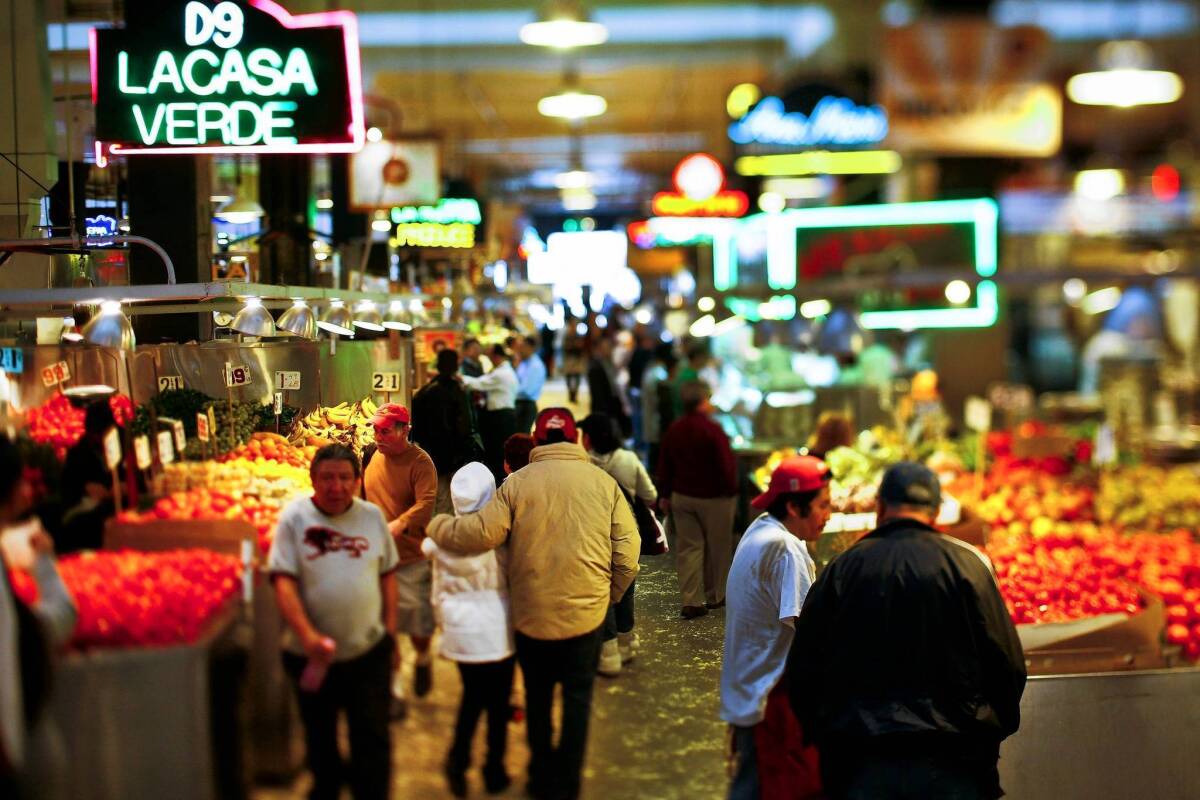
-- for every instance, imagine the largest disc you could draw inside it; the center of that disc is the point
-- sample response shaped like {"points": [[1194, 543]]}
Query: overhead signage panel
{"points": [[231, 77]]}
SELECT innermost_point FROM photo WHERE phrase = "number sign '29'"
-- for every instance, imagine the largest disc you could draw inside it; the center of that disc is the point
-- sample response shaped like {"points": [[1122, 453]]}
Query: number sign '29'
{"points": [[228, 77]]}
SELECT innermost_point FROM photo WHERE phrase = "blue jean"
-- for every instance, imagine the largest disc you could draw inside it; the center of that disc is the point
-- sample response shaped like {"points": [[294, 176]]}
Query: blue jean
{"points": [[620, 615]]}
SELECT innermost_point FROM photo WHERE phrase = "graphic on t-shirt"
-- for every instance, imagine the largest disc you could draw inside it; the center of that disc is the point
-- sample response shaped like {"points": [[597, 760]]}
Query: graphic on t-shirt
{"points": [[327, 540]]}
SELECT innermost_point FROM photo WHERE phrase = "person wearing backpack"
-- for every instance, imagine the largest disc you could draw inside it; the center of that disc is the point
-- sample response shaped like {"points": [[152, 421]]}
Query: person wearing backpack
{"points": [[601, 439]]}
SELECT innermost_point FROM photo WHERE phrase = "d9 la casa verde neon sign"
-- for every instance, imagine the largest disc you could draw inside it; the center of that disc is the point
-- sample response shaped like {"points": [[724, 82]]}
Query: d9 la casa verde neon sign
{"points": [[228, 77]]}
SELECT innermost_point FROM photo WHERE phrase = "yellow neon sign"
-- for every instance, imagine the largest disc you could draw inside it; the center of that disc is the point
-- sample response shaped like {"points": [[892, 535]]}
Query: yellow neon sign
{"points": [[434, 234], [821, 162]]}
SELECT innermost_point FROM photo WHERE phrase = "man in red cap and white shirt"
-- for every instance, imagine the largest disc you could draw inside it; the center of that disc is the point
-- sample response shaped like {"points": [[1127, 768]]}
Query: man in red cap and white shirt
{"points": [[573, 550], [402, 480], [771, 574]]}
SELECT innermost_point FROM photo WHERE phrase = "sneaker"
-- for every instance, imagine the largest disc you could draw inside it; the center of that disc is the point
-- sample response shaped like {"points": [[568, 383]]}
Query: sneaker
{"points": [[422, 679], [456, 780], [691, 612], [629, 645], [496, 780], [610, 659], [398, 709]]}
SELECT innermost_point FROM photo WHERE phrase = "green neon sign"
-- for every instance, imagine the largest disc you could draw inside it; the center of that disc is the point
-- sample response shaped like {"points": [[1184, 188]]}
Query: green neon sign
{"points": [[447, 211], [922, 232], [242, 76]]}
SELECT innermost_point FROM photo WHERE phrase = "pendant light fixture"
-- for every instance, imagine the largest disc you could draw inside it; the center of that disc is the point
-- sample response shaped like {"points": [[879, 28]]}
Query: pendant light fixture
{"points": [[572, 104], [337, 319], [1125, 79], [298, 320], [367, 317], [110, 328], [397, 318], [242, 209], [564, 25], [253, 319]]}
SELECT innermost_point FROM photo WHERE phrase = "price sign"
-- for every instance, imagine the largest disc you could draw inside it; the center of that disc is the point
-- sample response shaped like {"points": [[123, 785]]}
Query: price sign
{"points": [[177, 431], [56, 373], [278, 403], [978, 414], [141, 451], [167, 382], [112, 448], [166, 447], [1012, 398], [202, 432], [236, 374], [287, 381], [385, 381], [212, 423], [12, 359], [1104, 448]]}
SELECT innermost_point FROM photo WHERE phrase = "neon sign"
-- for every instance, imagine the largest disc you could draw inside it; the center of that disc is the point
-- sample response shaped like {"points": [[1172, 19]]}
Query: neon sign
{"points": [[233, 77], [434, 234], [833, 121], [99, 226], [447, 211], [700, 191]]}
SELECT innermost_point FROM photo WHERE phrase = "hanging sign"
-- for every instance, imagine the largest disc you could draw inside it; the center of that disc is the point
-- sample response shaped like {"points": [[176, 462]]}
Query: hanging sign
{"points": [[230, 77], [101, 227], [395, 173], [832, 122], [12, 360], [236, 374], [167, 382], [385, 382], [700, 191]]}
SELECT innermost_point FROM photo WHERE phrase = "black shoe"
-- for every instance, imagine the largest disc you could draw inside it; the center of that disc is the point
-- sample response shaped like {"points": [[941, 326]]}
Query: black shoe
{"points": [[691, 612], [398, 709], [456, 780], [714, 606], [422, 679], [496, 780]]}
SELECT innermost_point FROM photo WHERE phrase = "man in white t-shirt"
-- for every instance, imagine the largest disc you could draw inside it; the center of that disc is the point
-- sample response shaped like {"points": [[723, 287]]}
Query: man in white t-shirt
{"points": [[333, 564], [768, 580]]}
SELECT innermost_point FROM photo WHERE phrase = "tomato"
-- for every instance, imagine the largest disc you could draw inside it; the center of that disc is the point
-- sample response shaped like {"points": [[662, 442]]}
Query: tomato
{"points": [[1178, 614], [1178, 634]]}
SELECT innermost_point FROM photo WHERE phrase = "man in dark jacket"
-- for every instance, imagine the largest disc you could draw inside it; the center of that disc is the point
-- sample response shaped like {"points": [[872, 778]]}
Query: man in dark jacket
{"points": [[443, 426], [602, 385], [906, 669]]}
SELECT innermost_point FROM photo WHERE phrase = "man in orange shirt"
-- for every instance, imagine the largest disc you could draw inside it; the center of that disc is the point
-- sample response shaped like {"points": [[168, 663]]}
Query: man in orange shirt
{"points": [[402, 480]]}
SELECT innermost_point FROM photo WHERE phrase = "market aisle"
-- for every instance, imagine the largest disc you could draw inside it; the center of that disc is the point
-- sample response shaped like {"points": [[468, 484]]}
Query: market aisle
{"points": [[655, 732]]}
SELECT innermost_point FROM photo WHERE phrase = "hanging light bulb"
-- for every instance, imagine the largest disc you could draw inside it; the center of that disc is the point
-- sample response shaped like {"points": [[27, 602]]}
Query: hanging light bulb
{"points": [[298, 320], [337, 319], [1125, 79], [253, 319], [572, 104], [110, 328], [564, 24]]}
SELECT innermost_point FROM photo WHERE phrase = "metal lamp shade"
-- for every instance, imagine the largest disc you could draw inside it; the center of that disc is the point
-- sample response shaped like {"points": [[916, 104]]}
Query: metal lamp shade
{"points": [[398, 319], [110, 328], [299, 320], [369, 319], [254, 320], [337, 319]]}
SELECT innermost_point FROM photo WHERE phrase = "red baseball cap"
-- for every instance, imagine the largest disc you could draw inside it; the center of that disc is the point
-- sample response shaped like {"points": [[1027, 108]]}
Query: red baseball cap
{"points": [[390, 414], [555, 419], [795, 474]]}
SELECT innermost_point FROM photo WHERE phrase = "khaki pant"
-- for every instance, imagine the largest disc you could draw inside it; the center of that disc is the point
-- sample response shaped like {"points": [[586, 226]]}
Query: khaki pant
{"points": [[703, 546]]}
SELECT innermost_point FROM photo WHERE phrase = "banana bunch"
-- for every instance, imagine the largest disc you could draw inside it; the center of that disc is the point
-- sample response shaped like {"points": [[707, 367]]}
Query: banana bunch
{"points": [[345, 423]]}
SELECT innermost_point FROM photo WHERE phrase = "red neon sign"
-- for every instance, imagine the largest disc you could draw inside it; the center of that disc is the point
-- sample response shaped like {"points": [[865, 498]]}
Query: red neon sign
{"points": [[700, 191]]}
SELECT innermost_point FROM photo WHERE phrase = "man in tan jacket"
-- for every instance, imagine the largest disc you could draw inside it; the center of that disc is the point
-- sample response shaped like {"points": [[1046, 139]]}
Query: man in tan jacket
{"points": [[573, 550]]}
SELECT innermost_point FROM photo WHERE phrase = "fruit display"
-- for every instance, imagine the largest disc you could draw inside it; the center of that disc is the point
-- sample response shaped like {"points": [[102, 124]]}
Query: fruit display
{"points": [[127, 598], [266, 447], [857, 470], [58, 423], [212, 504], [180, 404], [1123, 499], [345, 423]]}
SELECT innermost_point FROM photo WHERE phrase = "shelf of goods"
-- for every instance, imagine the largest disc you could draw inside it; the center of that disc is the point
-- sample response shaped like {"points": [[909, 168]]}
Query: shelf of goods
{"points": [[134, 697]]}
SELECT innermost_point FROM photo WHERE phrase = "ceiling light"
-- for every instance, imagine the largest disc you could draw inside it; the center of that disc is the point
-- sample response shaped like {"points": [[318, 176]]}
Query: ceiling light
{"points": [[110, 328], [381, 225], [367, 317], [563, 25], [1073, 290], [253, 319], [706, 304], [958, 292], [1099, 184], [374, 134], [1124, 79], [1103, 300], [298, 320], [241, 210], [702, 327], [572, 104], [337, 319], [578, 200], [811, 309], [772, 202], [397, 318], [574, 179], [325, 203], [643, 316]]}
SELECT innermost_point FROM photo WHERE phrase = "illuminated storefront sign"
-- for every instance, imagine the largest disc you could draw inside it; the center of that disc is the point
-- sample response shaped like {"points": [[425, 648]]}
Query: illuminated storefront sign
{"points": [[451, 222], [700, 191], [102, 226], [446, 211], [833, 122], [820, 244], [820, 162], [235, 77]]}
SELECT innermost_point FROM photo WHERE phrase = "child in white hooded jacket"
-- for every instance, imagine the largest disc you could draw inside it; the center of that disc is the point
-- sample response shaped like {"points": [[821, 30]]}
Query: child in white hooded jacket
{"points": [[470, 601]]}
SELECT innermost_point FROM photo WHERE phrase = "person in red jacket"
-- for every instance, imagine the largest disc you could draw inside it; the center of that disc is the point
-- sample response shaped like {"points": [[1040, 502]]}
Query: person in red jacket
{"points": [[697, 481]]}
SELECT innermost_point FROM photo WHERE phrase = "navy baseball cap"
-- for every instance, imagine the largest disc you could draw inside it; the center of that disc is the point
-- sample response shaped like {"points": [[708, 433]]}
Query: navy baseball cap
{"points": [[910, 484]]}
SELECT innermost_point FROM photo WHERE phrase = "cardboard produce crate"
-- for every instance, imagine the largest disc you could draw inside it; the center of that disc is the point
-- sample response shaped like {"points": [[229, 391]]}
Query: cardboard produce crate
{"points": [[1106, 643]]}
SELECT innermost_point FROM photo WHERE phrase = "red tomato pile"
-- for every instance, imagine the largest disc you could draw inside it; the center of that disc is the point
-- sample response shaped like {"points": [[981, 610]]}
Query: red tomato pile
{"points": [[211, 504], [132, 599], [60, 424]]}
